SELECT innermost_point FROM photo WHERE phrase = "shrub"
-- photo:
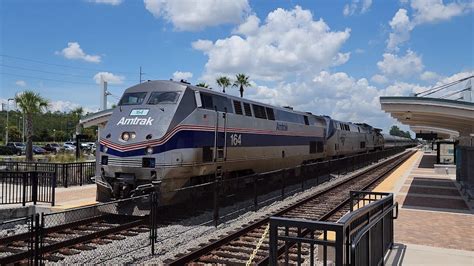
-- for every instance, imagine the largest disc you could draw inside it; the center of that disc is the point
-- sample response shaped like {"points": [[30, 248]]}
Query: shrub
{"points": [[4, 150]]}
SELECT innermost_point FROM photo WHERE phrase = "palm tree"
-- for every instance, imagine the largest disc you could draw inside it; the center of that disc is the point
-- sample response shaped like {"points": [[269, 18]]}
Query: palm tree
{"points": [[242, 81], [223, 82], [202, 84], [30, 103]]}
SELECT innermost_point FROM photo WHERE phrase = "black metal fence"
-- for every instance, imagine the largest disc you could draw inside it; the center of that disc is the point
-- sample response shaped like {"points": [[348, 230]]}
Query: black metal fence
{"points": [[94, 234], [362, 237], [67, 174], [219, 194], [28, 186]]}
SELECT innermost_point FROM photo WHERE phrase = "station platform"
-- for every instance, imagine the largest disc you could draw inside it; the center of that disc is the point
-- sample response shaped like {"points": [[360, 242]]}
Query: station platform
{"points": [[66, 198], [435, 224]]}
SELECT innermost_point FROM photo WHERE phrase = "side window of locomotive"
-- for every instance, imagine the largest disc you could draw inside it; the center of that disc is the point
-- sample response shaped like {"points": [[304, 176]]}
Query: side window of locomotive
{"points": [[306, 122], [238, 107], [207, 102], [132, 98], [270, 113], [320, 146], [160, 97], [316, 147], [248, 111], [259, 111], [210, 102]]}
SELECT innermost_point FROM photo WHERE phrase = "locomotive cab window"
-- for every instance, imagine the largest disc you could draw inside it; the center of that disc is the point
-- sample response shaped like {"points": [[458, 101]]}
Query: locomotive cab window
{"points": [[132, 98], [159, 97]]}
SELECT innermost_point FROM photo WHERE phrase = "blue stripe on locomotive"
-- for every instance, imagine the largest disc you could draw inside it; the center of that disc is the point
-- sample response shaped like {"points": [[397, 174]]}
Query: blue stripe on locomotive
{"points": [[198, 139]]}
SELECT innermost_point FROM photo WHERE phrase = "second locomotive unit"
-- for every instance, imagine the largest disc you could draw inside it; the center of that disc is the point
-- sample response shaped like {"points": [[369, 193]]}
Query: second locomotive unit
{"points": [[166, 135]]}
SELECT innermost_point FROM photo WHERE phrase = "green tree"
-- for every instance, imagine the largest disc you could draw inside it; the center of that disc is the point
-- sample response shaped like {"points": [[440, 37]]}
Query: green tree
{"points": [[14, 134], [30, 103], [223, 82], [395, 131], [241, 81], [203, 85]]}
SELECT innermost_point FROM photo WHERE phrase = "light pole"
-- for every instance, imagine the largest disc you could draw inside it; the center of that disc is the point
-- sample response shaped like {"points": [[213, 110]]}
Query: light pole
{"points": [[54, 135], [8, 109]]}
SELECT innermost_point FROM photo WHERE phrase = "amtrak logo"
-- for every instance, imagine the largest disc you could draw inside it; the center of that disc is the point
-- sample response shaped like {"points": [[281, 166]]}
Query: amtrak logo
{"points": [[135, 121]]}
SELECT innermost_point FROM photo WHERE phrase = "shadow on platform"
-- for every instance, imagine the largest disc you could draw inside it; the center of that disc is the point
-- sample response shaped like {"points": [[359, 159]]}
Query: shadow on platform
{"points": [[434, 194], [428, 161]]}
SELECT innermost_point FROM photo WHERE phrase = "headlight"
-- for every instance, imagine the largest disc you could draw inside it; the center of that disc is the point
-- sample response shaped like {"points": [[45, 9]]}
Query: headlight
{"points": [[133, 135], [106, 148], [149, 150], [125, 136]]}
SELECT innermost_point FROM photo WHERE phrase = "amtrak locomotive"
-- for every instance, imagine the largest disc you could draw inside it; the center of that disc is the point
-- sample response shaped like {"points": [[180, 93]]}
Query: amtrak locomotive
{"points": [[165, 135]]}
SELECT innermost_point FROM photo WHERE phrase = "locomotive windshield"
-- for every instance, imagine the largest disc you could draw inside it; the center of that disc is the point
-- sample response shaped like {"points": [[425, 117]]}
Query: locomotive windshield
{"points": [[132, 98], [159, 97]]}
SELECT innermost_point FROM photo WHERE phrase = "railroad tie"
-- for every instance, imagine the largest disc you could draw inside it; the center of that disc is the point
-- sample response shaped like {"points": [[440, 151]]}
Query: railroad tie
{"points": [[264, 235]]}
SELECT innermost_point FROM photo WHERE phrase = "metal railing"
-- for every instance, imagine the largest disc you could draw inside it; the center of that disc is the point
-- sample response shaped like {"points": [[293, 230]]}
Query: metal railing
{"points": [[361, 237], [262, 188], [28, 186], [67, 174]]}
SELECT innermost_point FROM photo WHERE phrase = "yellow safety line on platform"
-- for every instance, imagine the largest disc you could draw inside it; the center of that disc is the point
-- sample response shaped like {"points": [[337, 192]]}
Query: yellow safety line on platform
{"points": [[71, 206], [258, 246], [388, 184]]}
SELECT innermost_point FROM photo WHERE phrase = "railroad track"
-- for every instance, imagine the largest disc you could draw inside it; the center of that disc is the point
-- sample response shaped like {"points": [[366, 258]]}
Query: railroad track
{"points": [[331, 204], [71, 238]]}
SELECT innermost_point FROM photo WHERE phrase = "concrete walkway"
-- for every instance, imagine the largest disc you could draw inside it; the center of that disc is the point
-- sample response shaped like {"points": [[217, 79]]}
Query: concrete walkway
{"points": [[435, 225]]}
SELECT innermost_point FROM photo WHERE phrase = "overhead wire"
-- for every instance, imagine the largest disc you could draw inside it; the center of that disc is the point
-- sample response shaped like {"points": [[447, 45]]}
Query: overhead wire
{"points": [[61, 65], [56, 80]]}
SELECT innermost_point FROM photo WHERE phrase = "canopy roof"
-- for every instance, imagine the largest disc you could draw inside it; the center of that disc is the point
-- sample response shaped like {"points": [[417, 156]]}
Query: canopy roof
{"points": [[442, 116]]}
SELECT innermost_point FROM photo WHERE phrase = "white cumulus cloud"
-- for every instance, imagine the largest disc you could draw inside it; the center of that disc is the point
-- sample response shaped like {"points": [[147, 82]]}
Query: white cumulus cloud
{"points": [[21, 83], [74, 51], [192, 15], [423, 11], [109, 77], [405, 66], [288, 42], [380, 79], [178, 75], [429, 75], [107, 2], [356, 6]]}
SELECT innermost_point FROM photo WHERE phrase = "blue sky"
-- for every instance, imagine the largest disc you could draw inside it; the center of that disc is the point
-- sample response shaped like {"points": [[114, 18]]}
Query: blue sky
{"points": [[327, 57]]}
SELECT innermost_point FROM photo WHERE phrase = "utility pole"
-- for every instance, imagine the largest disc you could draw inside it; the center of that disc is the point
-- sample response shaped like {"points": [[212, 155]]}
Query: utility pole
{"points": [[141, 73], [6, 128]]}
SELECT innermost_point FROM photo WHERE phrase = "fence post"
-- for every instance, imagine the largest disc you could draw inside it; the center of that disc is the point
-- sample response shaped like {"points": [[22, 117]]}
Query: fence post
{"points": [[53, 189], [153, 225], [25, 183], [255, 192], [65, 175], [55, 173], [216, 201], [81, 176], [34, 185], [273, 245], [36, 249], [282, 183]]}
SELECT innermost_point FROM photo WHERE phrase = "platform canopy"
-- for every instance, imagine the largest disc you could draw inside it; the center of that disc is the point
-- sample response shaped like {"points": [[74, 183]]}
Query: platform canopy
{"points": [[442, 116], [96, 119]]}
